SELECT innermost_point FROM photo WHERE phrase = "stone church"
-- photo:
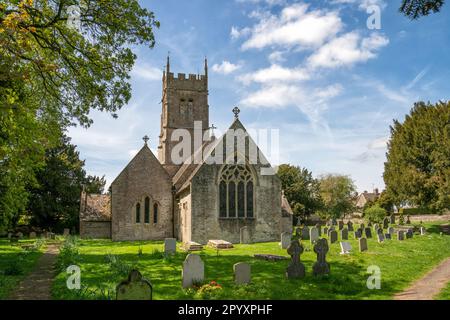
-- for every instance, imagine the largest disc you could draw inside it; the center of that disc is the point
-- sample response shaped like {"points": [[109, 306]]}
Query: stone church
{"points": [[208, 190]]}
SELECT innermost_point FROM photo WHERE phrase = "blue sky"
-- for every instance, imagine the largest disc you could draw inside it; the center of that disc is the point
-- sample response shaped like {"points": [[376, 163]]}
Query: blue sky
{"points": [[311, 69]]}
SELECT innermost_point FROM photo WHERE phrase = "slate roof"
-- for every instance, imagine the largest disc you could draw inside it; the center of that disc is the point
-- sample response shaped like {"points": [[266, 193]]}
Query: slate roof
{"points": [[95, 207]]}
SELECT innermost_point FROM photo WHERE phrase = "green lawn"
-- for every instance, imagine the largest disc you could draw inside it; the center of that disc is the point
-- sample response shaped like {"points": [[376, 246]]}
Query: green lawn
{"points": [[445, 294], [400, 264], [15, 264]]}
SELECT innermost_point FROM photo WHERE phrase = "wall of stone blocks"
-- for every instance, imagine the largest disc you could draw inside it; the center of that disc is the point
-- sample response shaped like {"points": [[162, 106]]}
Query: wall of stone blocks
{"points": [[95, 229]]}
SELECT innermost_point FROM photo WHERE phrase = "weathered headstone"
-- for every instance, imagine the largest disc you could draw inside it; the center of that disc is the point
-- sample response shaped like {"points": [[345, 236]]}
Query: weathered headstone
{"points": [[362, 244], [400, 235], [10, 235], [32, 235], [319, 229], [368, 233], [422, 231], [193, 270], [321, 266], [313, 234], [388, 236], [170, 246], [333, 236], [242, 273], [344, 234], [296, 269], [66, 232], [305, 233], [245, 236], [376, 226], [345, 248], [134, 288], [391, 231], [350, 226], [19, 235], [409, 234], [380, 231], [285, 240], [386, 223], [392, 219], [380, 237], [358, 233], [340, 225]]}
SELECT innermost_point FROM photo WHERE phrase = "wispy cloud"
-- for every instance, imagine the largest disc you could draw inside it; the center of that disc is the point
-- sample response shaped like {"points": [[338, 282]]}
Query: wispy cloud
{"points": [[225, 67], [417, 78]]}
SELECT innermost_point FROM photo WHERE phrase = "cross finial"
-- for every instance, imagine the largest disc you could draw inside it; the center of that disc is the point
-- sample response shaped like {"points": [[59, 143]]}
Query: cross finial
{"points": [[236, 112], [145, 138], [212, 128]]}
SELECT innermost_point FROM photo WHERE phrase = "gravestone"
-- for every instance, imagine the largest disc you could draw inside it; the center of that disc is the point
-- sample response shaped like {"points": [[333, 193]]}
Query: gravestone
{"points": [[220, 244], [391, 231], [305, 233], [341, 225], [345, 248], [298, 233], [325, 231], [32, 235], [296, 269], [170, 246], [319, 229], [19, 235], [244, 236], [392, 219], [380, 231], [321, 266], [369, 224], [376, 226], [242, 273], [333, 222], [193, 270], [285, 240], [408, 221], [333, 236], [388, 236], [358, 233], [313, 235], [66, 232], [362, 244], [368, 232], [409, 234], [134, 288], [10, 235], [344, 234], [362, 226], [380, 237], [422, 231], [400, 235], [386, 223], [350, 226]]}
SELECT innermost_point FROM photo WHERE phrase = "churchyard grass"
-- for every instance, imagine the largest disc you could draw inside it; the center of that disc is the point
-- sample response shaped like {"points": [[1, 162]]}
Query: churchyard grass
{"points": [[15, 264], [445, 293], [401, 262]]}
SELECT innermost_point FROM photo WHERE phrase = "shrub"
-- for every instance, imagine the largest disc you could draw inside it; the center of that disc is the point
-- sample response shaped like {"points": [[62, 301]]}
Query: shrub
{"points": [[209, 291], [117, 266], [375, 214], [68, 254]]}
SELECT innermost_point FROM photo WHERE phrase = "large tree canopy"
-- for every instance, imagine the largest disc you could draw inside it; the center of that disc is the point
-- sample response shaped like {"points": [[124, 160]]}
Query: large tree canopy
{"points": [[417, 170], [338, 193], [415, 9]]}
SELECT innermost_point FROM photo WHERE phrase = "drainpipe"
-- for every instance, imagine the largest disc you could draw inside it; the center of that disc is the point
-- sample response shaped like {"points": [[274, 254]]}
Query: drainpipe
{"points": [[174, 191]]}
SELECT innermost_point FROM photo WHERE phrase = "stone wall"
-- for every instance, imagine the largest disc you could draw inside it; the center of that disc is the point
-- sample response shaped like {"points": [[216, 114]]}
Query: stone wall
{"points": [[95, 229]]}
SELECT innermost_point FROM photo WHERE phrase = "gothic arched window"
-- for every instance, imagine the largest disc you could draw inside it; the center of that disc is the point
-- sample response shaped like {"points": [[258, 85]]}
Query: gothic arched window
{"points": [[155, 213], [236, 195], [138, 213], [147, 210]]}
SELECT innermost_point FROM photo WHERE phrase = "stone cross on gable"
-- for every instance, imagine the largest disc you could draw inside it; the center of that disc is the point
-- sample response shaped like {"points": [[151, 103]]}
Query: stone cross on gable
{"points": [[212, 128], [236, 112], [145, 138]]}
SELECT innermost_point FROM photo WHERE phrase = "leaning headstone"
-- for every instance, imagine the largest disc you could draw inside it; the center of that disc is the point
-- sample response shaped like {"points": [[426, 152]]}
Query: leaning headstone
{"points": [[391, 231], [388, 236], [313, 234], [422, 231], [242, 273], [409, 234], [66, 232], [244, 236], [400, 235], [296, 269], [305, 233], [321, 266], [368, 233], [345, 248], [380, 237], [193, 270], [340, 225], [392, 219], [362, 244], [350, 226], [285, 240], [344, 234], [32, 235], [134, 288], [170, 246], [386, 223], [333, 236]]}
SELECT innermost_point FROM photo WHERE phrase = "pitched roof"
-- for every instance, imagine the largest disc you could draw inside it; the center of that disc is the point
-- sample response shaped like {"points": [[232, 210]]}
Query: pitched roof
{"points": [[285, 206], [95, 207]]}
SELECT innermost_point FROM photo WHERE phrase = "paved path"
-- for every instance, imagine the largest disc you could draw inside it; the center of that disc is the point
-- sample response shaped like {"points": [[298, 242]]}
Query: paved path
{"points": [[429, 286], [37, 285]]}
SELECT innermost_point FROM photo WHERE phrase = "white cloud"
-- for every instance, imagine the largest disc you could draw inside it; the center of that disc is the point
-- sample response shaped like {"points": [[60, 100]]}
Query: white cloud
{"points": [[362, 4], [294, 27], [347, 50], [225, 67], [276, 56], [237, 33], [379, 143], [275, 73], [146, 72]]}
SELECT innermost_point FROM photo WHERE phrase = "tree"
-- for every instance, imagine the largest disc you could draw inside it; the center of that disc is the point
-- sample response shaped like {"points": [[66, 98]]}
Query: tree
{"points": [[375, 214], [300, 189], [55, 199], [417, 170], [338, 194], [52, 75], [386, 202], [415, 9]]}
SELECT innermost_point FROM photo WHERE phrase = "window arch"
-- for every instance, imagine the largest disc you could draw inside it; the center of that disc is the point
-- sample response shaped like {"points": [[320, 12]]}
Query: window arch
{"points": [[138, 213], [147, 210], [155, 213], [236, 192]]}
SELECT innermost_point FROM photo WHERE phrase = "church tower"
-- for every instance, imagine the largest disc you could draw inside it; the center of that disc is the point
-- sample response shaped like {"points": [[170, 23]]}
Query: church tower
{"points": [[184, 101]]}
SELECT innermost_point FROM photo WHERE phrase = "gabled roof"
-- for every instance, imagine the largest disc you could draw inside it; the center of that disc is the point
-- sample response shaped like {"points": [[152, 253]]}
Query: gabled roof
{"points": [[95, 207], [286, 209]]}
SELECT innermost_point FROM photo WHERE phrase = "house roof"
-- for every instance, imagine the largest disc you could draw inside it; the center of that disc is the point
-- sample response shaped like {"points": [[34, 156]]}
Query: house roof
{"points": [[95, 207]]}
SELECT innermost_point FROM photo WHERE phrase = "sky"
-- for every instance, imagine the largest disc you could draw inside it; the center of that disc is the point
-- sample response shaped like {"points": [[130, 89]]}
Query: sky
{"points": [[313, 70]]}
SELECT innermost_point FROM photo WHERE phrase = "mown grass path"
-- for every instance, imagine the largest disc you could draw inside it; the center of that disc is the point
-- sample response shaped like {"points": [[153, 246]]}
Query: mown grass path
{"points": [[37, 285], [429, 286]]}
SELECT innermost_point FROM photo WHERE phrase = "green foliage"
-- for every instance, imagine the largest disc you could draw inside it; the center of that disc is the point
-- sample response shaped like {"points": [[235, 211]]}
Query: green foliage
{"points": [[417, 170], [209, 291], [301, 189], [338, 193], [415, 9], [15, 266], [117, 266], [385, 202], [68, 254], [375, 214], [416, 211]]}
